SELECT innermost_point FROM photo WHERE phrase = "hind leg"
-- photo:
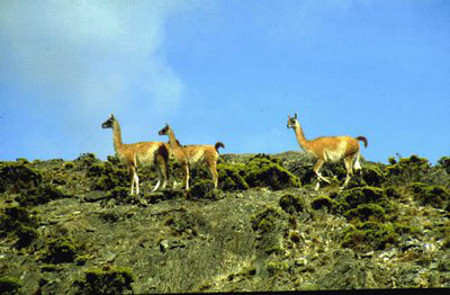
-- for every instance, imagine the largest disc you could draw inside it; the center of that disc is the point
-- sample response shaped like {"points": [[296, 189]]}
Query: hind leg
{"points": [[214, 174], [357, 165], [132, 172], [348, 167]]}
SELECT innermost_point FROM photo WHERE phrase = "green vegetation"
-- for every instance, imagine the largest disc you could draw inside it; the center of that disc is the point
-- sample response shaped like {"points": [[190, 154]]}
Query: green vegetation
{"points": [[324, 202], [262, 172], [264, 228], [435, 196], [10, 285], [291, 204], [61, 250], [17, 222], [111, 281]]}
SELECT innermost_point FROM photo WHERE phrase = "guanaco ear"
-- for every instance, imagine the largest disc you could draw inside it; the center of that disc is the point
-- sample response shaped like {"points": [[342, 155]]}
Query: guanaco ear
{"points": [[111, 116], [295, 116]]}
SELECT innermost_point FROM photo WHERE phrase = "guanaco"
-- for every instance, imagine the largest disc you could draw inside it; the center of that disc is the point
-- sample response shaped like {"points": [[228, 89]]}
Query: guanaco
{"points": [[330, 149], [153, 154], [192, 154]]}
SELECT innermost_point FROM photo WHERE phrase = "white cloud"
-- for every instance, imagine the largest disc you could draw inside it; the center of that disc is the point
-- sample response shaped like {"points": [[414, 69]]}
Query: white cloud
{"points": [[94, 52]]}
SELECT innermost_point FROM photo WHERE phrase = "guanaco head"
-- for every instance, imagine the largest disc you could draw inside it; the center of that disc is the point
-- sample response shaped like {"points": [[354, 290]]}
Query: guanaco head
{"points": [[109, 123], [165, 131], [292, 121]]}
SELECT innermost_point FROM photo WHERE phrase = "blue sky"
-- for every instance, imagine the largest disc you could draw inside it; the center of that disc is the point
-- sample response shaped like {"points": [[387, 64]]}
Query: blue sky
{"points": [[224, 70]]}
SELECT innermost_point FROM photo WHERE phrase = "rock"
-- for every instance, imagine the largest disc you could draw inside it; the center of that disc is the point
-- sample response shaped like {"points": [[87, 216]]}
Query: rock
{"points": [[94, 196]]}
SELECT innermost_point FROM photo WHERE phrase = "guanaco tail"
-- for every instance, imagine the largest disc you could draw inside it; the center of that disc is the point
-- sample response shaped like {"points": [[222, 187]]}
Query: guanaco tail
{"points": [[153, 154], [193, 154], [330, 149]]}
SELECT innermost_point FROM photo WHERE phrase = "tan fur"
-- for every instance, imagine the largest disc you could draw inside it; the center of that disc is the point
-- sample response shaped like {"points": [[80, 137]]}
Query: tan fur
{"points": [[139, 154], [329, 149], [193, 155]]}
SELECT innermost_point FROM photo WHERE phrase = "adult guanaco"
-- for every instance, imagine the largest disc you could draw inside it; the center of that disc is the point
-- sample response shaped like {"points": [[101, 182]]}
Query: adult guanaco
{"points": [[153, 154], [192, 154], [329, 149]]}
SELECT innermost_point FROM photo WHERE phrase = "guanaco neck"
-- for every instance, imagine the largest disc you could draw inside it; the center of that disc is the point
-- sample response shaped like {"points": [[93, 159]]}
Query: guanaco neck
{"points": [[117, 138], [300, 136], [177, 150]]}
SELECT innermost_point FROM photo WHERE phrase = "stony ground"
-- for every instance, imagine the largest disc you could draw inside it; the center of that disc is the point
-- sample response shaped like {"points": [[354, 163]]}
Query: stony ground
{"points": [[70, 227]]}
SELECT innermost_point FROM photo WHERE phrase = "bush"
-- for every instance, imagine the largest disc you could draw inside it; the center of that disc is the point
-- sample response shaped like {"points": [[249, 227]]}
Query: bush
{"points": [[266, 220], [323, 202], [9, 285], [435, 196], [17, 176], [291, 204], [16, 221], [61, 250], [39, 195], [261, 172], [203, 189], [352, 198], [369, 236], [112, 281], [408, 170], [231, 177], [444, 163], [365, 212]]}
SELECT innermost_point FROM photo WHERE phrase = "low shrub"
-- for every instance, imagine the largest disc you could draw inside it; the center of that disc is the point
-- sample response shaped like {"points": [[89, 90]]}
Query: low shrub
{"points": [[203, 189], [17, 221], [323, 202], [17, 176], [370, 236], [10, 285], [61, 250], [436, 196], [365, 212], [291, 204], [231, 177], [261, 172], [352, 198], [110, 281], [266, 220]]}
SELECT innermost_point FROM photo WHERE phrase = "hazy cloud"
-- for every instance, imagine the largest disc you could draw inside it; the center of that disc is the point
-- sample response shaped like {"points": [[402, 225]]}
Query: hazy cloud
{"points": [[91, 51]]}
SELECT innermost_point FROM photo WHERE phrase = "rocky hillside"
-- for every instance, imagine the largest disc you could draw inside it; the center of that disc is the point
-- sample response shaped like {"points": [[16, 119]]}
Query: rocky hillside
{"points": [[72, 228]]}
